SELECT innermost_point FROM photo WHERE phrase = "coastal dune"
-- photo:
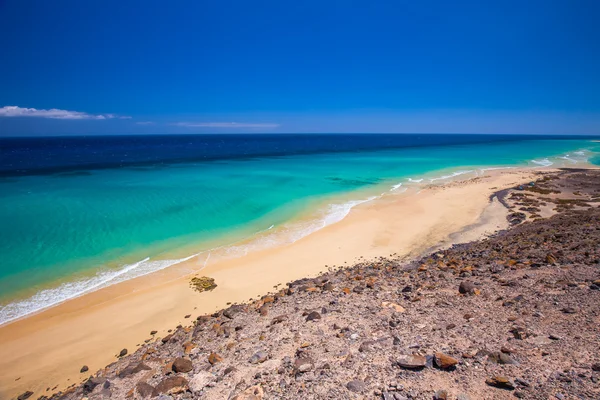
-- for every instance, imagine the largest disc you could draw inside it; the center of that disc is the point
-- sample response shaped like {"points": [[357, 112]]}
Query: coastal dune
{"points": [[45, 352]]}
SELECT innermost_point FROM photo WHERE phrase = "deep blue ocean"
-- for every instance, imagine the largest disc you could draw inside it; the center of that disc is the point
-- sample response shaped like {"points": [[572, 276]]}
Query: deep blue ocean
{"points": [[81, 213]]}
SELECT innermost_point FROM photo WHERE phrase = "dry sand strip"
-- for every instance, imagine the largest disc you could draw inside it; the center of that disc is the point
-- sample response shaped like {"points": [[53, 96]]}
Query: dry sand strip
{"points": [[48, 349]]}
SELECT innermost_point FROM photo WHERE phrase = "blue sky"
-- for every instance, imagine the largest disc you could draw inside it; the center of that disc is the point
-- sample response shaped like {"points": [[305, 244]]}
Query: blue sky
{"points": [[109, 67]]}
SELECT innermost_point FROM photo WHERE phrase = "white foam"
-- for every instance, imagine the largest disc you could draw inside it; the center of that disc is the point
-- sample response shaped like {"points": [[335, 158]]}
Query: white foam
{"points": [[544, 163], [396, 187], [579, 153], [457, 173], [494, 168], [415, 180], [566, 157], [69, 290]]}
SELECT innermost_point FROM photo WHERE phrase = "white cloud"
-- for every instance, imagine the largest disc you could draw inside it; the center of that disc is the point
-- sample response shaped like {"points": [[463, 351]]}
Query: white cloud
{"points": [[145, 123], [226, 125], [53, 113]]}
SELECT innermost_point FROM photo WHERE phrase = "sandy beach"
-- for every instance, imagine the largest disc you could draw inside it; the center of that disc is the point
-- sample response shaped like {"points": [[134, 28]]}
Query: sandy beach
{"points": [[48, 349]]}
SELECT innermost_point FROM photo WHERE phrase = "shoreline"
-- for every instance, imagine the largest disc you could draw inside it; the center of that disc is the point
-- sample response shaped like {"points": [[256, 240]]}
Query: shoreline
{"points": [[283, 235], [91, 329]]}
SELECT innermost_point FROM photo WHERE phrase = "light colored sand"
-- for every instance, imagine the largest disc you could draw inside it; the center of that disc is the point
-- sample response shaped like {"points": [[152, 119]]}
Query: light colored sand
{"points": [[49, 348]]}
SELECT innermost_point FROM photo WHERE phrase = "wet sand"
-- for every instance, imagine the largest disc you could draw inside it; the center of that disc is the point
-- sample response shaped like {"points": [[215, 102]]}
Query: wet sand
{"points": [[48, 349]]}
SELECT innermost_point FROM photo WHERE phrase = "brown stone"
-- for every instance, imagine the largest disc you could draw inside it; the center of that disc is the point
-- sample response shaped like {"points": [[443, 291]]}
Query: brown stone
{"points": [[182, 365], [501, 382], [444, 361], [171, 385]]}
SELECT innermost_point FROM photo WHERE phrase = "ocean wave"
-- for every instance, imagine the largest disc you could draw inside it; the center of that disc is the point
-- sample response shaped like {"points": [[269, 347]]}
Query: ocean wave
{"points": [[494, 168], [452, 175], [544, 163], [292, 232], [396, 187], [566, 157], [415, 180], [50, 297], [261, 240]]}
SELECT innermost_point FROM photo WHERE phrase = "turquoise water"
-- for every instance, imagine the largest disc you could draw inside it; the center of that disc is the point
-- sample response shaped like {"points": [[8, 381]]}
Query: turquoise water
{"points": [[69, 232]]}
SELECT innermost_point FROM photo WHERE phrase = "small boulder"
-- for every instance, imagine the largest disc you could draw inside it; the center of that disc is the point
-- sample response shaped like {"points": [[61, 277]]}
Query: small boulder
{"points": [[466, 287], [182, 365], [123, 353], [84, 369]]}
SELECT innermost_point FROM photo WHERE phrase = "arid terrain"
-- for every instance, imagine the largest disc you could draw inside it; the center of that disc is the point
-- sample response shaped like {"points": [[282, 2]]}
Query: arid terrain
{"points": [[514, 315]]}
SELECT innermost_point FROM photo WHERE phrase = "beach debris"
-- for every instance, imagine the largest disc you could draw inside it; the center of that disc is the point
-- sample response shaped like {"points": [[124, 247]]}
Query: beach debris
{"points": [[202, 284], [84, 369], [181, 364]]}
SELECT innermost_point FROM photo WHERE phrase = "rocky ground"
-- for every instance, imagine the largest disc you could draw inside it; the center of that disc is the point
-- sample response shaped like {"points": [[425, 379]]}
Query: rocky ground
{"points": [[515, 315]]}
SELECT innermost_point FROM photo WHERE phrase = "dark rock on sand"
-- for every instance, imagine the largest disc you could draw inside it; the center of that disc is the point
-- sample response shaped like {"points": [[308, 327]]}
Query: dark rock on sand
{"points": [[25, 396], [91, 384], [123, 353], [84, 369]]}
